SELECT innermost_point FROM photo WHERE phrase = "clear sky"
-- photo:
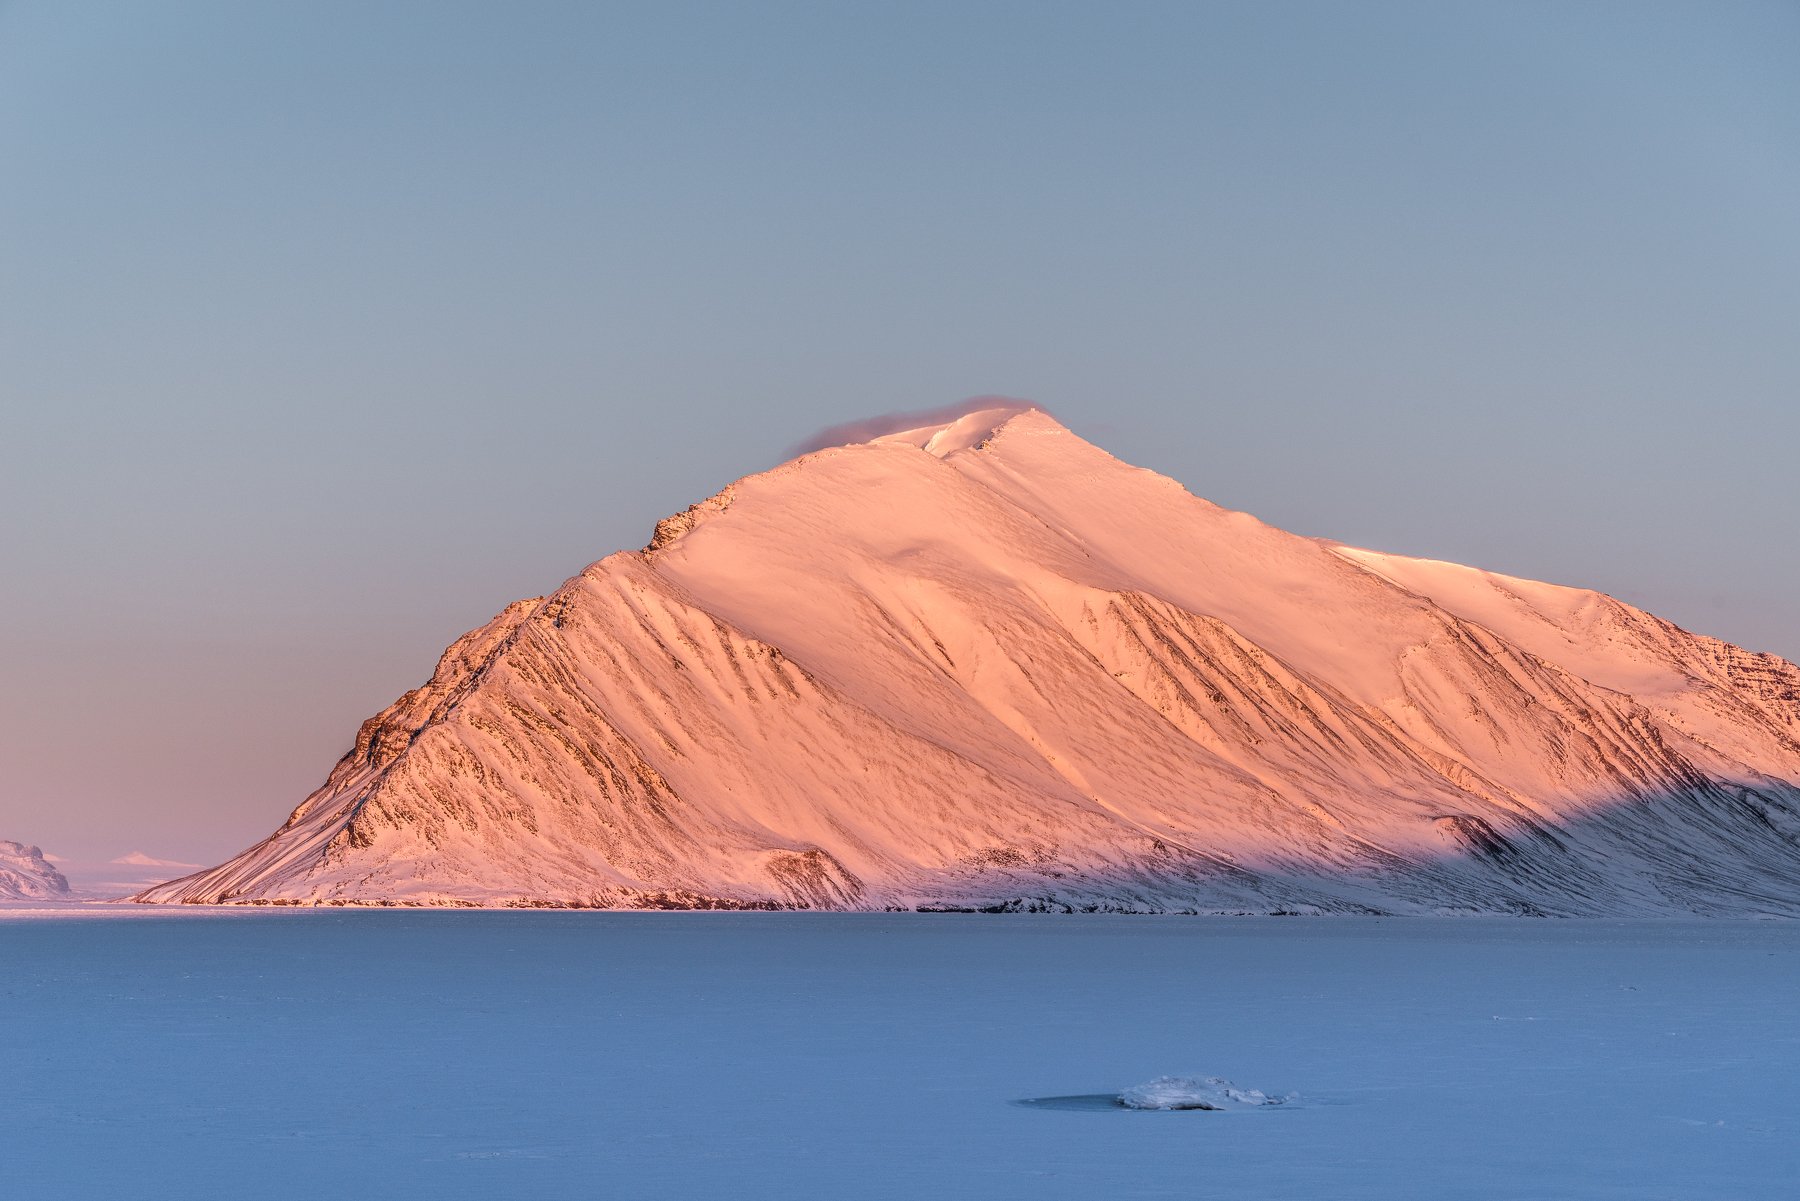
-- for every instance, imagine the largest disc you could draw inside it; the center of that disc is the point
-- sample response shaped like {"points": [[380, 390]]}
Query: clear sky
{"points": [[326, 329]]}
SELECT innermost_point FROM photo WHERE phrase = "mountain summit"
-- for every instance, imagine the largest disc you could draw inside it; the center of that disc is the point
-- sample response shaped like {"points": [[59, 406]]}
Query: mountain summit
{"points": [[983, 664]]}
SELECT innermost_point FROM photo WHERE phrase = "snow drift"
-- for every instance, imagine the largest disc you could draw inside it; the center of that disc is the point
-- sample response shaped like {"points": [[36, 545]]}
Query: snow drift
{"points": [[984, 665]]}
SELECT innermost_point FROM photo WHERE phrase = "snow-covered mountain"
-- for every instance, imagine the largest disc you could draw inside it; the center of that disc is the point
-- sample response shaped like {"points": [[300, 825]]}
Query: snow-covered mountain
{"points": [[140, 859], [25, 875], [982, 663]]}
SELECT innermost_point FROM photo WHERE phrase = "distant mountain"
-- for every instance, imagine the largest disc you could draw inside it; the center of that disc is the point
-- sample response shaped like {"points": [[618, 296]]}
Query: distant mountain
{"points": [[25, 875], [140, 859], [983, 664]]}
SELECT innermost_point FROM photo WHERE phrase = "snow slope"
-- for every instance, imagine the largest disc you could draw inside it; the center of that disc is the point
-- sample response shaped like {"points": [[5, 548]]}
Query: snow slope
{"points": [[26, 876], [984, 664]]}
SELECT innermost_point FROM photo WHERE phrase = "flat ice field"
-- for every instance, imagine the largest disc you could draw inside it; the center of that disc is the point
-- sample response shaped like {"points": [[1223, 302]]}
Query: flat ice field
{"points": [[687, 1055]]}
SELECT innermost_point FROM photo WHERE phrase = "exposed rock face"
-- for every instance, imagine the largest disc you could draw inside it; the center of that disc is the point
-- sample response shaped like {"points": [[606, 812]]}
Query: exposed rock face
{"points": [[26, 876], [986, 665]]}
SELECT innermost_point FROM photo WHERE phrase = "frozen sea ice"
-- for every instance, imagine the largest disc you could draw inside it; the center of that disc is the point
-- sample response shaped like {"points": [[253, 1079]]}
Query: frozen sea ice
{"points": [[1195, 1092]]}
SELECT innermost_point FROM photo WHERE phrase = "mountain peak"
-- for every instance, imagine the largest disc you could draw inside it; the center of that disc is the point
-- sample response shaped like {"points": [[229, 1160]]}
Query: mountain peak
{"points": [[941, 430], [971, 429], [1036, 677]]}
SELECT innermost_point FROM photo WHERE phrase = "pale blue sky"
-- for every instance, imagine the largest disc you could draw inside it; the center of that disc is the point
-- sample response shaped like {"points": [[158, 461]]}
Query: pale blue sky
{"points": [[327, 329]]}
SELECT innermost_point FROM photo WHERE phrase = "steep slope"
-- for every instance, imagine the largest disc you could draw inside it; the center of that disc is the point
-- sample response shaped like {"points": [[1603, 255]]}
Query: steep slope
{"points": [[982, 663], [26, 876]]}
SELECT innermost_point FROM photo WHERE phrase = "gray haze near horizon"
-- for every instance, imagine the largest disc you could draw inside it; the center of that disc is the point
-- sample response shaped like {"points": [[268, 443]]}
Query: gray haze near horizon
{"points": [[327, 330]]}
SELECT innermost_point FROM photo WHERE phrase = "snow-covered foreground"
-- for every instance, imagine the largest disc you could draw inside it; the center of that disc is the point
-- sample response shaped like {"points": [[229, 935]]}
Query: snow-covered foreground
{"points": [[443, 1055]]}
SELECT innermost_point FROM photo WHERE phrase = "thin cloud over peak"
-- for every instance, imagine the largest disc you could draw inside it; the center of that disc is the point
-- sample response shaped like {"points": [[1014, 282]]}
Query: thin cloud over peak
{"points": [[869, 428]]}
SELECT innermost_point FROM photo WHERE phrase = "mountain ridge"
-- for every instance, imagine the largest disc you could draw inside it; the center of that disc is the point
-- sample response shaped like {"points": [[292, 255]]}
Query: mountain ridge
{"points": [[26, 875], [983, 664]]}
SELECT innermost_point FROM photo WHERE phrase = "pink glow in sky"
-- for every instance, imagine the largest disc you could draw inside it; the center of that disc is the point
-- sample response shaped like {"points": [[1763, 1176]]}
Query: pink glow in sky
{"points": [[319, 345]]}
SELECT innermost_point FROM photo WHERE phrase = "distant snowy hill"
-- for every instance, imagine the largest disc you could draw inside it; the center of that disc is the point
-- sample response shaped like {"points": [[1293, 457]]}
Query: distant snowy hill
{"points": [[982, 664], [26, 876], [140, 859]]}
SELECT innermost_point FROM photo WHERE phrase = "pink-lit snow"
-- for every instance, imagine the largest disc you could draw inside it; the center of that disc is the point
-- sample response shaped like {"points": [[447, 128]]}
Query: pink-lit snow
{"points": [[984, 664]]}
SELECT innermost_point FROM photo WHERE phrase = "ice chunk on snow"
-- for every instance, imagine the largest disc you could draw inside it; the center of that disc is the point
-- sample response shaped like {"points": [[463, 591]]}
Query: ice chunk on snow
{"points": [[1194, 1092]]}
